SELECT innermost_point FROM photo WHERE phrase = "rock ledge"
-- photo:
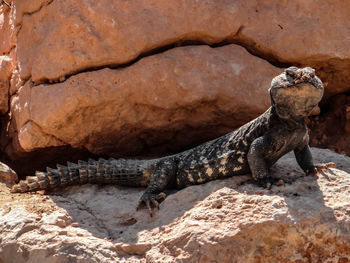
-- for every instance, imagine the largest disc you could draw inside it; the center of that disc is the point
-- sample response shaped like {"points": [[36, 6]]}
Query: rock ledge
{"points": [[232, 220]]}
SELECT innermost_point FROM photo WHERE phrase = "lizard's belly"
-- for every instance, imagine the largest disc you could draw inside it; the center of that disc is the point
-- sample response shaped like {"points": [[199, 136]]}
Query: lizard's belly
{"points": [[234, 163]]}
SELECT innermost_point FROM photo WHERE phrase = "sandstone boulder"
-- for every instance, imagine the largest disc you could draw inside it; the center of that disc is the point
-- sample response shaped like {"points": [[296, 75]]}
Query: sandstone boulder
{"points": [[166, 100], [58, 39], [231, 220]]}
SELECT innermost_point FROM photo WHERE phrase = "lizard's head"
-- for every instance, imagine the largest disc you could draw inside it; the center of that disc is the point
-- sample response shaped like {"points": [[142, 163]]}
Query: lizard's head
{"points": [[296, 93]]}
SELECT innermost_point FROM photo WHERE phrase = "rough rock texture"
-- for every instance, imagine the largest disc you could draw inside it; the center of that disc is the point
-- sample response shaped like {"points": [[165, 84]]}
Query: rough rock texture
{"points": [[231, 220], [118, 111]]}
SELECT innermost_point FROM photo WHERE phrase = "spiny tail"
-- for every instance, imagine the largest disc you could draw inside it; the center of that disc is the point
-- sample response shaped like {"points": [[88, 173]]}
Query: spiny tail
{"points": [[112, 171]]}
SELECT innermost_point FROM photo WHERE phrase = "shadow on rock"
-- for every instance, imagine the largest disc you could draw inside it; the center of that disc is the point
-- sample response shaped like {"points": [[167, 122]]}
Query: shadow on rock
{"points": [[305, 210]]}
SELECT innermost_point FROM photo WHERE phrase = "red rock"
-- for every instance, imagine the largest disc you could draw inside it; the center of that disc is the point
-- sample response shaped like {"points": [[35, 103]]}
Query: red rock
{"points": [[7, 30], [156, 100], [54, 40], [75, 36]]}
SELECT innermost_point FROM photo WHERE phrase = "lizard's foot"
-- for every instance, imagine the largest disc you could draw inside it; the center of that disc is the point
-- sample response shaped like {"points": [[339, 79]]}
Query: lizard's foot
{"points": [[151, 201], [268, 182], [321, 167]]}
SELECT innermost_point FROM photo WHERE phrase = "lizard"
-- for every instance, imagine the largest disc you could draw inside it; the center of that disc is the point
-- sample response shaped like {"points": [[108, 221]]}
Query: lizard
{"points": [[252, 148]]}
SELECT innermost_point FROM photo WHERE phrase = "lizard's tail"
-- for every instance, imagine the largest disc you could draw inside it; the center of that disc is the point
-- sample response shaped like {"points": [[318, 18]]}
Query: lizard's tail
{"points": [[112, 171]]}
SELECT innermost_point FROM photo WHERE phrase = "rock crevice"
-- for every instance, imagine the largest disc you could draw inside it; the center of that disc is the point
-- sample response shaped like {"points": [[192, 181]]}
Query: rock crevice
{"points": [[206, 83], [24, 8]]}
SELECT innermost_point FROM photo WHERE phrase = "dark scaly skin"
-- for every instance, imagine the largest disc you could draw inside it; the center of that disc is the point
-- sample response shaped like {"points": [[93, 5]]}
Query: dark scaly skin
{"points": [[253, 148]]}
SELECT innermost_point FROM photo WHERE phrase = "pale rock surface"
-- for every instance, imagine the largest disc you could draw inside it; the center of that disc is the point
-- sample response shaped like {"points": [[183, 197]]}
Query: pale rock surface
{"points": [[169, 99], [231, 220]]}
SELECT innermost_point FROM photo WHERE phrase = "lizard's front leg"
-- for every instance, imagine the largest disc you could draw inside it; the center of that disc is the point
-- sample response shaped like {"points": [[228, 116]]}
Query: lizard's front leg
{"points": [[304, 158], [257, 164], [164, 175]]}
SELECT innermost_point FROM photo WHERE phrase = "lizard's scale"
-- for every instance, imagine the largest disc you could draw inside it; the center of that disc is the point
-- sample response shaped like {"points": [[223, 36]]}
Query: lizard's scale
{"points": [[222, 157], [112, 171]]}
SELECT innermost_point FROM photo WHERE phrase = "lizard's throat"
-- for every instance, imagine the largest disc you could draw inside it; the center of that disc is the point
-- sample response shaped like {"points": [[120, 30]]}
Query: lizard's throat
{"points": [[290, 122]]}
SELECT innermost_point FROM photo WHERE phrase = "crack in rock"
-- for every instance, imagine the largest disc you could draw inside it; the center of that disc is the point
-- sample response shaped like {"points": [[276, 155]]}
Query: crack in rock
{"points": [[31, 12], [159, 50]]}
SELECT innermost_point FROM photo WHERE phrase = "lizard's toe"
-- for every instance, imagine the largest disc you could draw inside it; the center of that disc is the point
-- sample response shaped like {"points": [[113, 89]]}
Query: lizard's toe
{"points": [[268, 182], [151, 201], [321, 167], [324, 166]]}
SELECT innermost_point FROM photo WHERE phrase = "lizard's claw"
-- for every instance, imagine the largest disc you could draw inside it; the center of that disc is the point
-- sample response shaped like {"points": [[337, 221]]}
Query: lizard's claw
{"points": [[268, 182], [321, 167], [324, 166], [151, 201]]}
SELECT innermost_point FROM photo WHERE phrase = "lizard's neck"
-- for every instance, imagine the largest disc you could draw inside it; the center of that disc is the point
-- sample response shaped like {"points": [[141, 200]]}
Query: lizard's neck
{"points": [[290, 124]]}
